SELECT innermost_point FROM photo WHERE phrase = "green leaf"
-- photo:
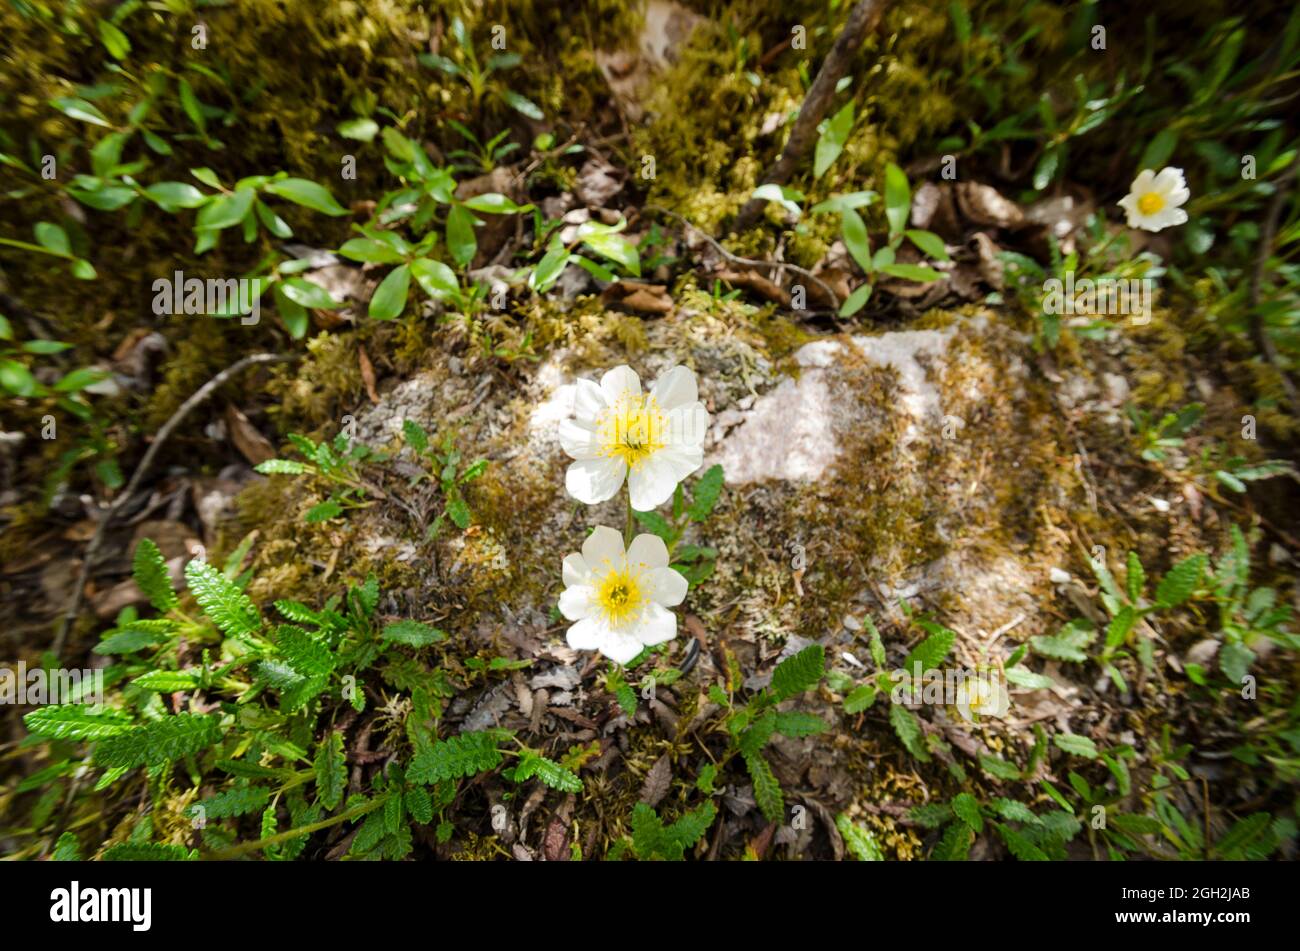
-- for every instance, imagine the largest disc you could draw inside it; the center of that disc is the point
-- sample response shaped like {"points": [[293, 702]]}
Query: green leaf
{"points": [[225, 211], [909, 730], [860, 699], [705, 493], [390, 297], [370, 251], [75, 721], [548, 771], [494, 203], [222, 601], [858, 839], [1181, 581], [191, 106], [162, 741], [929, 242], [855, 301], [172, 196], [1136, 577], [955, 844], [460, 235], [799, 672], [281, 467], [149, 852], [898, 198], [767, 791], [239, 801], [911, 272], [435, 278], [463, 755], [302, 191], [1076, 745], [616, 248], [331, 771], [999, 768], [150, 573], [75, 108], [1020, 845], [1048, 164], [522, 104], [166, 681], [114, 40], [53, 238], [1068, 644], [831, 141], [967, 809], [1120, 625], [361, 129], [930, 653], [309, 294], [458, 512], [854, 231], [412, 633]]}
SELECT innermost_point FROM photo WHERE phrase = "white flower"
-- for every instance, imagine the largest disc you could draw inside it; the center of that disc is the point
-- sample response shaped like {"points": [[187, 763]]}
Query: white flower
{"points": [[985, 694], [1153, 200], [653, 439], [620, 599]]}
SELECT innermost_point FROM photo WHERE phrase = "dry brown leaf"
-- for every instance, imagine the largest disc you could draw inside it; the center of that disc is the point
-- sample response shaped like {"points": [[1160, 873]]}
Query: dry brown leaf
{"points": [[367, 374], [254, 447], [641, 298], [657, 782], [757, 283]]}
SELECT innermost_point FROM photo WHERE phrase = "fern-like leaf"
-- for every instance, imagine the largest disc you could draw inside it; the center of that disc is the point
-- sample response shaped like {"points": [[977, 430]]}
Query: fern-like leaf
{"points": [[150, 572], [232, 611], [799, 672], [463, 755], [162, 741]]}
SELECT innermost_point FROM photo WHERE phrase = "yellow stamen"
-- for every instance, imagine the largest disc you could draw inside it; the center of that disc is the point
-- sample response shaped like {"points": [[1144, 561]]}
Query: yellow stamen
{"points": [[1151, 202], [620, 597], [632, 429]]}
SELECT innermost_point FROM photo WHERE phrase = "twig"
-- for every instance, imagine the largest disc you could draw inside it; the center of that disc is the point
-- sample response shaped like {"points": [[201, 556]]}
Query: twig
{"points": [[1257, 329], [201, 394], [748, 262], [861, 19]]}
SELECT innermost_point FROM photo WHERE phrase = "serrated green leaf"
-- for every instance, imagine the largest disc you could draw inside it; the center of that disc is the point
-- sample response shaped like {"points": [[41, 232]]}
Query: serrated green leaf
{"points": [[331, 771], [150, 572], [767, 791], [222, 601], [162, 741], [909, 730], [799, 672]]}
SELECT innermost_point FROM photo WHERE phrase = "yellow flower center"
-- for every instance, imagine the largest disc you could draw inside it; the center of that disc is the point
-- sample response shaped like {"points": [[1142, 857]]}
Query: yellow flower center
{"points": [[1151, 202], [620, 597], [632, 429]]}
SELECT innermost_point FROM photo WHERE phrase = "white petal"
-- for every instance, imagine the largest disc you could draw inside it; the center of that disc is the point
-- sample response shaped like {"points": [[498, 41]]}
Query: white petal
{"points": [[603, 547], [652, 483], [682, 460], [575, 601], [589, 634], [658, 624], [619, 381], [578, 439], [588, 401], [576, 570], [675, 388], [1169, 180], [687, 425], [595, 480], [666, 586], [620, 646], [1142, 183], [647, 551]]}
